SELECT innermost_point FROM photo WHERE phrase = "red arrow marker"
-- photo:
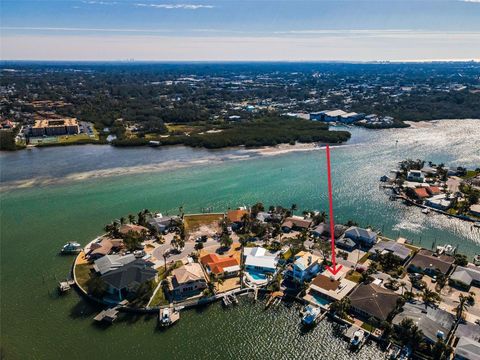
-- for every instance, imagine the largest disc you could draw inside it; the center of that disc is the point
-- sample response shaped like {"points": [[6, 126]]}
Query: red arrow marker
{"points": [[334, 269]]}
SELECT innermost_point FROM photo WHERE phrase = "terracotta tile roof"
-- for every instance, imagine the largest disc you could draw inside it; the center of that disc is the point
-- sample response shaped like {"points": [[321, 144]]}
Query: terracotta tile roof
{"points": [[433, 190], [300, 223], [236, 215], [217, 264], [125, 228], [421, 192]]}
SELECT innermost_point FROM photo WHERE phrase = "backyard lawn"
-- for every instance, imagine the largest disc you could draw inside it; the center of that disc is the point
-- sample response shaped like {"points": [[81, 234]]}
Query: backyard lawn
{"points": [[193, 222]]}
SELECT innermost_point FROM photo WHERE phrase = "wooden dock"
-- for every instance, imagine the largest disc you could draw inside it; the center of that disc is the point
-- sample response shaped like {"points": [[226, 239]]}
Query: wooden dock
{"points": [[274, 299], [64, 286], [109, 315]]}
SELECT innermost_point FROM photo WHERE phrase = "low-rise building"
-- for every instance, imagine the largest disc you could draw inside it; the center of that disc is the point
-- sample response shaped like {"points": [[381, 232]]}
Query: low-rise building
{"points": [[428, 262], [112, 262], [393, 247], [416, 176], [475, 210], [226, 266], [296, 223], [162, 223], [104, 247], [132, 228], [329, 288], [258, 259], [128, 278], [370, 300], [363, 237], [305, 266], [439, 202], [434, 322], [54, 127], [465, 276], [468, 343], [188, 280]]}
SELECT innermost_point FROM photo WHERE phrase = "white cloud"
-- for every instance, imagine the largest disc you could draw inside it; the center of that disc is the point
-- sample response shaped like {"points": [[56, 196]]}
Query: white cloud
{"points": [[95, 2], [56, 29], [176, 6], [471, 1]]}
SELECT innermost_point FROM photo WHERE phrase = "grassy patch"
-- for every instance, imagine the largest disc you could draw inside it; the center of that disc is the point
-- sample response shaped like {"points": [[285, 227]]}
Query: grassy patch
{"points": [[354, 276], [193, 222], [368, 327], [363, 258], [470, 174], [82, 273]]}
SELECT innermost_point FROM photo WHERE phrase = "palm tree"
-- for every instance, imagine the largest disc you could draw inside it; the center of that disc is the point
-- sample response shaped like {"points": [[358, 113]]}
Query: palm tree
{"points": [[293, 208], [403, 286], [341, 307], [122, 220], [96, 287], [464, 302], [246, 223], [226, 241], [430, 297], [131, 218]]}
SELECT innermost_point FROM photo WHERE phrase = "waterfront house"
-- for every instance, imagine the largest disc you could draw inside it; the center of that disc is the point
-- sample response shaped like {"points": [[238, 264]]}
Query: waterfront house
{"points": [[465, 276], [258, 259], [128, 278], [439, 202], [188, 280], [330, 288], [111, 262], [226, 266], [434, 322], [428, 262], [416, 176], [318, 230], [421, 193], [132, 228], [305, 266], [363, 237], [468, 342], [162, 223], [338, 230], [397, 249], [370, 300], [236, 216], [433, 190], [296, 223], [345, 243], [104, 247], [475, 210]]}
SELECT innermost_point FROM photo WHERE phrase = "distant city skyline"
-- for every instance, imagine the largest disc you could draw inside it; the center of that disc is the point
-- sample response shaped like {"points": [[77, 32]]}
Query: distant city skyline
{"points": [[164, 30]]}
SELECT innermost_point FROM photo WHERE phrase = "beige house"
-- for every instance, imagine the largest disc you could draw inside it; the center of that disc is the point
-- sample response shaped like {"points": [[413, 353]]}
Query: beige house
{"points": [[188, 280]]}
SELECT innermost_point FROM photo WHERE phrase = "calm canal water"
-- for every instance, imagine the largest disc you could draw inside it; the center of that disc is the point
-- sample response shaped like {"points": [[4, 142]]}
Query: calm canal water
{"points": [[51, 196]]}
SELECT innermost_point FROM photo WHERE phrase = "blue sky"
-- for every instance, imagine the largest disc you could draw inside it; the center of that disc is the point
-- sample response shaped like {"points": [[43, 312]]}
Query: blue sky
{"points": [[240, 30]]}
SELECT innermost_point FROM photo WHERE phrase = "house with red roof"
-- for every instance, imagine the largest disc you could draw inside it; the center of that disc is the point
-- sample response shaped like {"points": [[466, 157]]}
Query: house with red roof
{"points": [[226, 266], [421, 193], [433, 190]]}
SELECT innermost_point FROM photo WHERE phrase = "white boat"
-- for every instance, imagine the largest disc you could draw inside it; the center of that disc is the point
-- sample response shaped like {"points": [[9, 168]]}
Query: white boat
{"points": [[476, 224], [446, 249], [426, 211], [358, 338], [168, 317], [310, 315], [476, 260], [71, 248]]}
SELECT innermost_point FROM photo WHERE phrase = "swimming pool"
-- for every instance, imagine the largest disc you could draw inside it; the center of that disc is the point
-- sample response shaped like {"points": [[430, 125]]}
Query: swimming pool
{"points": [[257, 276], [320, 300]]}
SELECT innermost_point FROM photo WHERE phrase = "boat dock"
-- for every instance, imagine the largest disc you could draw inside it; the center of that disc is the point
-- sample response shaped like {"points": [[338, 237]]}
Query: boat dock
{"points": [[274, 299], [229, 299], [109, 315], [64, 286], [349, 334]]}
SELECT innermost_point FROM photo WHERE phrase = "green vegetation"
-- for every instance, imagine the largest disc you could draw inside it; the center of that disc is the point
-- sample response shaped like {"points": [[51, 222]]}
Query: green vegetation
{"points": [[82, 274], [354, 276], [267, 131]]}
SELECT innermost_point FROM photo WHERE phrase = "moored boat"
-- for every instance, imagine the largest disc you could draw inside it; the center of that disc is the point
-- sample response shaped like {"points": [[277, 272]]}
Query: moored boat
{"points": [[476, 260], [168, 317], [358, 338], [71, 248], [310, 315]]}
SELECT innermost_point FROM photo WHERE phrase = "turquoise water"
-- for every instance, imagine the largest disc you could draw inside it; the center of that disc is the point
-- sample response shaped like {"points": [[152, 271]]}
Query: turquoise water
{"points": [[320, 300], [51, 196], [257, 275]]}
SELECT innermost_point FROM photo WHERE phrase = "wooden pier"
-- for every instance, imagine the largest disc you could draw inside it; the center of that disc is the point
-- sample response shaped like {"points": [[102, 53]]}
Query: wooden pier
{"points": [[109, 315], [64, 286]]}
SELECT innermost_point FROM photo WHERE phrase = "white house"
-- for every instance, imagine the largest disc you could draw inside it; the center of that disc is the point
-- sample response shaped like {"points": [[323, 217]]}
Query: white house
{"points": [[260, 260], [415, 175]]}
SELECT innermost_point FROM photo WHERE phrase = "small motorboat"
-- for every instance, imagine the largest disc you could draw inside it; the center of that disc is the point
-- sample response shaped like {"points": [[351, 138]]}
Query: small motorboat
{"points": [[446, 249], [71, 248], [476, 260], [168, 317], [310, 315], [358, 338], [476, 224]]}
